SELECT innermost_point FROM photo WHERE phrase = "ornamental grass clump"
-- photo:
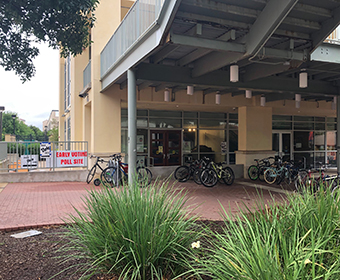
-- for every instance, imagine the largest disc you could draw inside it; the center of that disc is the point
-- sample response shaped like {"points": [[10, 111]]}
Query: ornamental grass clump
{"points": [[134, 233], [294, 239]]}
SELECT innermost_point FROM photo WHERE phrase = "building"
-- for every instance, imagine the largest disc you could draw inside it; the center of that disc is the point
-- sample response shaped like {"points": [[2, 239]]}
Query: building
{"points": [[52, 121], [233, 80]]}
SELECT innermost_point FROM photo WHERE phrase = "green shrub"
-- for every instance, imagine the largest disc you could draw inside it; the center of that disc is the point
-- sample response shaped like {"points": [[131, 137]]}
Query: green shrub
{"points": [[296, 239], [134, 233]]}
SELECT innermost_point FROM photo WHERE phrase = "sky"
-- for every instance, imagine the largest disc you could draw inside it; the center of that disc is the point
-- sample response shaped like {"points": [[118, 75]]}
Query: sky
{"points": [[34, 100]]}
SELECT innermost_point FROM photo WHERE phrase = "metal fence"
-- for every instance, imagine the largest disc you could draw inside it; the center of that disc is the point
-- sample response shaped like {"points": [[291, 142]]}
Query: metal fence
{"points": [[25, 156]]}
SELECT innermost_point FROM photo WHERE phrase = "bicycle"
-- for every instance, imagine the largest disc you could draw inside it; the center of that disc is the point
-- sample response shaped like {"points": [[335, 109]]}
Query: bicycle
{"points": [[257, 171], [184, 172], [216, 172], [93, 170], [117, 174]]}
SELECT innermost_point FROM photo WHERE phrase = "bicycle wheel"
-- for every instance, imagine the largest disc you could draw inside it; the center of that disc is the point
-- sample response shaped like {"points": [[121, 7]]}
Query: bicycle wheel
{"points": [[108, 177], [182, 173], [270, 176], [91, 174], [228, 176], [144, 176], [262, 169], [208, 178], [197, 176], [301, 181], [253, 172]]}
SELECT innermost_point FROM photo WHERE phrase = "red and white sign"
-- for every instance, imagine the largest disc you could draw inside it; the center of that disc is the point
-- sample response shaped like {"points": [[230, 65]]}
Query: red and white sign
{"points": [[71, 158]]}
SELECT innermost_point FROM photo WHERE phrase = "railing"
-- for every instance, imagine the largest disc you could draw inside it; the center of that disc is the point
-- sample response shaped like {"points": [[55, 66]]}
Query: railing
{"points": [[141, 16], [87, 75], [334, 37], [25, 156]]}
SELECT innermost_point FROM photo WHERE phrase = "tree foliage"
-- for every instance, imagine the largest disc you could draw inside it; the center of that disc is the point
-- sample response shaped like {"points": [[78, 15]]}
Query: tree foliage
{"points": [[22, 131], [63, 24]]}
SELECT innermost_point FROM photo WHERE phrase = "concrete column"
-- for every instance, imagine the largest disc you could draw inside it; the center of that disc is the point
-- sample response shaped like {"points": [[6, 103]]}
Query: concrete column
{"points": [[254, 135], [132, 123], [338, 136]]}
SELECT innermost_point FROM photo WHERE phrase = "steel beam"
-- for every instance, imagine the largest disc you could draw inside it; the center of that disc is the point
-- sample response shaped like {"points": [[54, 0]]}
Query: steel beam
{"points": [[266, 23], [257, 71], [196, 54], [327, 27], [182, 76], [163, 53]]}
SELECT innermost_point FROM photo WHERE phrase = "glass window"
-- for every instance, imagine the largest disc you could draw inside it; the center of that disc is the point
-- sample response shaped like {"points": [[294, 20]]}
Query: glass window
{"points": [[124, 121], [282, 125], [142, 140], [319, 141], [303, 126], [190, 115], [303, 140], [232, 159], [167, 114], [189, 123], [142, 113], [303, 119], [233, 116], [281, 118], [124, 141], [320, 119], [319, 159], [212, 123], [233, 140], [233, 124], [331, 119], [331, 140], [306, 158], [331, 158], [320, 126], [142, 122], [124, 112], [210, 143], [331, 126], [189, 141], [165, 123], [208, 115]]}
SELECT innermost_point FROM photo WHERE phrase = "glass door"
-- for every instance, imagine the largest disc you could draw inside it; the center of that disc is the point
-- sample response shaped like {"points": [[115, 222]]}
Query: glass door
{"points": [[166, 147], [282, 144]]}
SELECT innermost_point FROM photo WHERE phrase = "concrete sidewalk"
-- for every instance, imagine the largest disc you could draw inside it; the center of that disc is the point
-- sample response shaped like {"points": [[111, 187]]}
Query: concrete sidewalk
{"points": [[31, 205]]}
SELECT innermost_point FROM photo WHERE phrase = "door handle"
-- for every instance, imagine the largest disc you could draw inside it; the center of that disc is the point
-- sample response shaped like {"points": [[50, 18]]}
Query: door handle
{"points": [[168, 156], [163, 156]]}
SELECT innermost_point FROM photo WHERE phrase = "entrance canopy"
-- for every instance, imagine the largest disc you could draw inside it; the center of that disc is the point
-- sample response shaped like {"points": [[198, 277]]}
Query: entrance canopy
{"points": [[194, 42]]}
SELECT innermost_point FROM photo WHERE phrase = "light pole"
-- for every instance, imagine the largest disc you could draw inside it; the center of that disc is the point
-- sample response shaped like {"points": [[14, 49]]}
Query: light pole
{"points": [[46, 133], [13, 117], [2, 108]]}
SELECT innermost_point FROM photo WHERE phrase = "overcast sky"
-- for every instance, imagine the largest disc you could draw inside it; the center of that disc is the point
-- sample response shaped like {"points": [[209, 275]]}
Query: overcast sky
{"points": [[34, 100]]}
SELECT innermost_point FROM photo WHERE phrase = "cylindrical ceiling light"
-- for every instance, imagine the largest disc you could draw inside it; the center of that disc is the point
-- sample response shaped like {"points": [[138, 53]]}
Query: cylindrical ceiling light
{"points": [[234, 73], [303, 79], [190, 90], [249, 93], [298, 97], [218, 98], [167, 95], [263, 101]]}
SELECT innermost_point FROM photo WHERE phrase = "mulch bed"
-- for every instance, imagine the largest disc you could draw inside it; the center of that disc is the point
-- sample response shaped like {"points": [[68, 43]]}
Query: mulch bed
{"points": [[35, 258]]}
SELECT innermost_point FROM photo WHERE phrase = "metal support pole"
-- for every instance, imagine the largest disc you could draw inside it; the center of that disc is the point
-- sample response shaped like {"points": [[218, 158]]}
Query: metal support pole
{"points": [[338, 137], [132, 123]]}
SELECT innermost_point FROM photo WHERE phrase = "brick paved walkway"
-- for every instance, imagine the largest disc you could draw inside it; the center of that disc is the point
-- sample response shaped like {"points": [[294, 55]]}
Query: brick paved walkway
{"points": [[29, 205]]}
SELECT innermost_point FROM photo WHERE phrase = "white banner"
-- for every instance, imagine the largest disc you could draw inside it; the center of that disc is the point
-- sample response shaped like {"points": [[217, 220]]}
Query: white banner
{"points": [[71, 158], [29, 161]]}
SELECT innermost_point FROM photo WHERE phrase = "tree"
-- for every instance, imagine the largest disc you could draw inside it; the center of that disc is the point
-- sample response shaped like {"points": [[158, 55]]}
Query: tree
{"points": [[63, 24], [22, 131]]}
